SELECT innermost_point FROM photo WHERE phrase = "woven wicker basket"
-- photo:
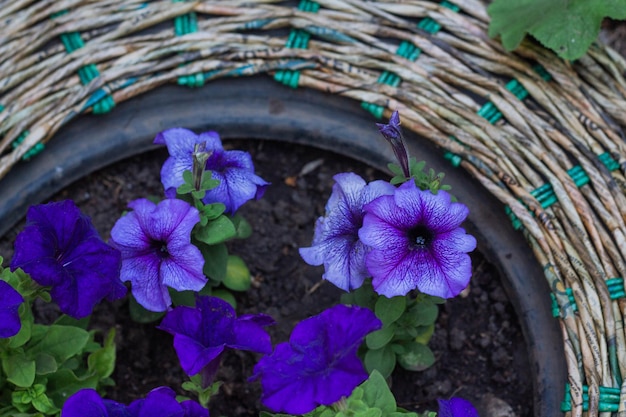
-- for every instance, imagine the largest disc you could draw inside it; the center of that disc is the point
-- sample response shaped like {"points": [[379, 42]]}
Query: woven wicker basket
{"points": [[544, 136]]}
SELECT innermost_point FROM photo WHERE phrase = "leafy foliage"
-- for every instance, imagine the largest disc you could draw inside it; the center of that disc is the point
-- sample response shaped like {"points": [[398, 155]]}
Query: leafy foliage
{"points": [[408, 324], [425, 180], [568, 27]]}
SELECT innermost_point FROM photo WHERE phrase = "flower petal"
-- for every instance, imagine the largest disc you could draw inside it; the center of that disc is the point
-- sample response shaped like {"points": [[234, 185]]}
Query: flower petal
{"points": [[10, 301], [456, 407]]}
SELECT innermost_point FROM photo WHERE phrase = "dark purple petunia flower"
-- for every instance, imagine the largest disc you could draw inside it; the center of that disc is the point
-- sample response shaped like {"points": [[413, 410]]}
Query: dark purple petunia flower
{"points": [[201, 334], [456, 407], [234, 169], [160, 402], [336, 242], [393, 134], [319, 364], [10, 301], [155, 241], [417, 243], [60, 248]]}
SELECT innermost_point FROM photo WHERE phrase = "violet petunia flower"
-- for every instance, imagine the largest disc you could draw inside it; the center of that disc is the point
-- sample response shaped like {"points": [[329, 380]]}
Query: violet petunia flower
{"points": [[456, 407], [417, 243], [160, 402], [10, 301], [393, 134], [60, 248], [319, 365], [202, 334], [336, 242], [155, 241], [233, 169]]}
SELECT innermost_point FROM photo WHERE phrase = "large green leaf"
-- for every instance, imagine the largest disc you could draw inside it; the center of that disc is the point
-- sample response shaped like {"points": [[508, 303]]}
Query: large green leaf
{"points": [[566, 26], [376, 393], [389, 310], [19, 369], [62, 342]]}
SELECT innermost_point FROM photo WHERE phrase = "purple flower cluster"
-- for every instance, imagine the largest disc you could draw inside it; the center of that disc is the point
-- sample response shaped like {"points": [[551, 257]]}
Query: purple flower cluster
{"points": [[60, 248], [405, 238], [456, 407], [10, 301], [319, 364], [233, 169], [155, 243], [159, 402], [202, 334]]}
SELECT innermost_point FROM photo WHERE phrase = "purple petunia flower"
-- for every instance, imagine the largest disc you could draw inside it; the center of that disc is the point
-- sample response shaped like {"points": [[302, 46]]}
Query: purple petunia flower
{"points": [[159, 402], [201, 334], [60, 248], [234, 169], [456, 407], [417, 243], [336, 242], [10, 301], [155, 241], [319, 364], [393, 134]]}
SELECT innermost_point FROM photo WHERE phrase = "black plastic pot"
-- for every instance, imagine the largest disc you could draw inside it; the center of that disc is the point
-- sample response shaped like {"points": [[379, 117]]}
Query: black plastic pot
{"points": [[259, 108]]}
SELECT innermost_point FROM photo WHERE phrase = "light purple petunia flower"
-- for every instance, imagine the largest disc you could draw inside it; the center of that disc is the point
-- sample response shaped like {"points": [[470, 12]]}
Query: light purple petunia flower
{"points": [[159, 402], [10, 301], [336, 242], [233, 169], [202, 334], [155, 241], [319, 364], [456, 407], [417, 243], [60, 248]]}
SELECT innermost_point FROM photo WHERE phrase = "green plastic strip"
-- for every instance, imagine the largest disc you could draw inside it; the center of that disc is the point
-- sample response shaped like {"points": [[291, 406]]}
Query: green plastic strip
{"points": [[409, 51], [609, 399], [32, 151], [556, 312], [614, 285], [184, 24], [73, 41], [298, 39]]}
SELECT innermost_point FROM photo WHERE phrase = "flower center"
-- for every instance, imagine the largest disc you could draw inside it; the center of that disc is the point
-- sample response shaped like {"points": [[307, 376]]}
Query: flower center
{"points": [[160, 248], [420, 237]]}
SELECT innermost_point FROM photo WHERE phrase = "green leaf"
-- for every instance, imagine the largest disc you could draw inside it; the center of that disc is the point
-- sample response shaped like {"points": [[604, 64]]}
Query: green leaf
{"points": [[215, 261], [379, 338], [568, 27], [25, 333], [376, 393], [182, 298], [102, 361], [216, 231], [425, 333], [42, 403], [62, 342], [212, 211], [65, 320], [139, 314], [389, 310], [244, 230], [383, 360], [64, 383], [45, 364], [237, 274], [19, 370], [363, 296], [416, 357]]}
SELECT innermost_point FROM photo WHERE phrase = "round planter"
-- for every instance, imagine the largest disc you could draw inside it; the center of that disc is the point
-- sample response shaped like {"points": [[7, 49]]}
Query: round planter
{"points": [[259, 108]]}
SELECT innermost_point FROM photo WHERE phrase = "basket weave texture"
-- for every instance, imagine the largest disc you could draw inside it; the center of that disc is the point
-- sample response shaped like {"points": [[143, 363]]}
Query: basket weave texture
{"points": [[542, 135]]}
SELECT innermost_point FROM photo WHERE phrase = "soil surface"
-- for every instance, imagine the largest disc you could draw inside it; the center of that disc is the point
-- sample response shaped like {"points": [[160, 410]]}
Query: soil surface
{"points": [[478, 342]]}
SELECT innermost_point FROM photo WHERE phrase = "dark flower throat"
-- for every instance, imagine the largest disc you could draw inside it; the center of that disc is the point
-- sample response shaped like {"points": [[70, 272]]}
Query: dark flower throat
{"points": [[420, 237]]}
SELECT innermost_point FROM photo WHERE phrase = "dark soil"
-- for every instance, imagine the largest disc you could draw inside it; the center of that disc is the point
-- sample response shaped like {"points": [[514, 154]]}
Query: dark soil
{"points": [[478, 342]]}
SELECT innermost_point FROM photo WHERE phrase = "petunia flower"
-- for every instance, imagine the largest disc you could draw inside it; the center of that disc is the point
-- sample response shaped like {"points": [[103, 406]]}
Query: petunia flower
{"points": [[336, 242], [10, 301], [233, 169], [456, 407], [319, 365], [155, 241], [159, 402], [60, 248], [392, 132], [203, 333], [416, 242]]}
